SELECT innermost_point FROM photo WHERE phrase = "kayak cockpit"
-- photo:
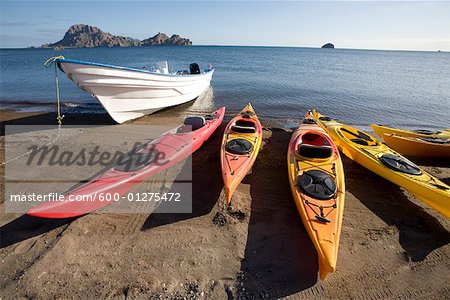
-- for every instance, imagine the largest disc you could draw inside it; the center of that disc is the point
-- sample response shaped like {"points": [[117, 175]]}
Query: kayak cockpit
{"points": [[315, 146], [192, 123], [426, 132], [244, 126], [436, 141], [196, 122], [358, 137]]}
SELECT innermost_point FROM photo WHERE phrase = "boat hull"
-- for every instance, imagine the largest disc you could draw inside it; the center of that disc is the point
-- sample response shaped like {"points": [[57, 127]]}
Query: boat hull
{"points": [[381, 130], [417, 147], [128, 94]]}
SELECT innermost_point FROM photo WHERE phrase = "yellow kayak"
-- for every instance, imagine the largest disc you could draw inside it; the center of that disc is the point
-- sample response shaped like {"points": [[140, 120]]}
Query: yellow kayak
{"points": [[419, 147], [382, 160], [317, 183], [382, 129]]}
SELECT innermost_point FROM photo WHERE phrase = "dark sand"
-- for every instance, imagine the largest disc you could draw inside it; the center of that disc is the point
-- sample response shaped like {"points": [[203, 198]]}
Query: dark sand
{"points": [[392, 245]]}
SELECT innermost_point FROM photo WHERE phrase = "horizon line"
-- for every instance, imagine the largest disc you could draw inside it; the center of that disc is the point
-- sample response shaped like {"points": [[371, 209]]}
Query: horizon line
{"points": [[233, 45]]}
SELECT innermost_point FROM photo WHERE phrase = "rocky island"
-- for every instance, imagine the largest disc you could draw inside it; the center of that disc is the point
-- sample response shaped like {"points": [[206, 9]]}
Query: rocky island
{"points": [[84, 36], [160, 39], [328, 45]]}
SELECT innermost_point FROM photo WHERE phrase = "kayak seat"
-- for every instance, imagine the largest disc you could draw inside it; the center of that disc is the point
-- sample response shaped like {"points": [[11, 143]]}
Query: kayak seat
{"points": [[245, 123], [359, 135], [317, 184], [313, 138], [243, 126], [425, 131], [243, 129], [400, 164], [360, 141], [309, 121], [314, 151], [314, 145], [247, 114], [239, 146], [325, 118], [196, 122]]}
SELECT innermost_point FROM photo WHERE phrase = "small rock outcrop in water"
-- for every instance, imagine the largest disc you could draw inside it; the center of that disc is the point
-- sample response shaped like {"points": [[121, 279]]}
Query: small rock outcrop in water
{"points": [[81, 36], [328, 45], [161, 39]]}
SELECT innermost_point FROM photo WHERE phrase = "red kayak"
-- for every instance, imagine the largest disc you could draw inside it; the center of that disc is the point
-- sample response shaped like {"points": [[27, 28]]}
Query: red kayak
{"points": [[176, 145]]}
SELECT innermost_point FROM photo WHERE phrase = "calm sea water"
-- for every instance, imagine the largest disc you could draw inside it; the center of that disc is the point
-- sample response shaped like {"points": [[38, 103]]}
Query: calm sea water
{"points": [[405, 89]]}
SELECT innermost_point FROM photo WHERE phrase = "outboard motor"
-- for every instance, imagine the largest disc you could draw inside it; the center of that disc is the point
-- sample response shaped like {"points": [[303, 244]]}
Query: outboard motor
{"points": [[194, 68]]}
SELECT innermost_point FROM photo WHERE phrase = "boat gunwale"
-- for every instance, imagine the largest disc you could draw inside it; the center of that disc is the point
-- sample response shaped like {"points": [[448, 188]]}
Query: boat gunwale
{"points": [[88, 63]]}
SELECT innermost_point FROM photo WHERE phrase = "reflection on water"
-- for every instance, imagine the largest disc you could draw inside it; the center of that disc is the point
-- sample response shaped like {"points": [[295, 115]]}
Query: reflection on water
{"points": [[204, 102]]}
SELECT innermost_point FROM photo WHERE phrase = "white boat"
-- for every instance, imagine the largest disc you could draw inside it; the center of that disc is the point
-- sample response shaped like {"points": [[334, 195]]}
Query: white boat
{"points": [[128, 93]]}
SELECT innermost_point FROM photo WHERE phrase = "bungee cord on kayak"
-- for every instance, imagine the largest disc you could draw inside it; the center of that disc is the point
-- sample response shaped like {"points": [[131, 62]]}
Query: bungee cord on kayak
{"points": [[321, 217], [321, 167], [234, 157]]}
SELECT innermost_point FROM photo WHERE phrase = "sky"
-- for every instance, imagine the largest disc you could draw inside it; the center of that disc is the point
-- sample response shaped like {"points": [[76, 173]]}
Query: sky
{"points": [[405, 25]]}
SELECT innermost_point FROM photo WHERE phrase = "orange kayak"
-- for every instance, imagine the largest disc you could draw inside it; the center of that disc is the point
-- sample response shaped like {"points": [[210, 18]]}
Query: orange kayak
{"points": [[418, 147], [240, 146], [420, 133], [316, 176]]}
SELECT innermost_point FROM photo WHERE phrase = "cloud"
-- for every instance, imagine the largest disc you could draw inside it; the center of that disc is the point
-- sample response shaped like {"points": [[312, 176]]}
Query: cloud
{"points": [[19, 41], [52, 32], [15, 23], [23, 23]]}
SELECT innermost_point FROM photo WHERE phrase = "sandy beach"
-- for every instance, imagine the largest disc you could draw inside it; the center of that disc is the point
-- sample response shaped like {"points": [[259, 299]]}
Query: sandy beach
{"points": [[392, 246]]}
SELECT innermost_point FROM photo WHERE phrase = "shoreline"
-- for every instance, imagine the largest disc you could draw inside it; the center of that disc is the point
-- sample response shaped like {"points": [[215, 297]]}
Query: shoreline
{"points": [[39, 117], [389, 238]]}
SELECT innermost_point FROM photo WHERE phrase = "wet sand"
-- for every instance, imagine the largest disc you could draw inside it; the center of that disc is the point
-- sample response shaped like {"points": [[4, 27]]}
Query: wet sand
{"points": [[392, 245]]}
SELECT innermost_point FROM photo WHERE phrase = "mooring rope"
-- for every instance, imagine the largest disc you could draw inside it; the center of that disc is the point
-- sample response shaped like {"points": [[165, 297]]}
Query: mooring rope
{"points": [[47, 64]]}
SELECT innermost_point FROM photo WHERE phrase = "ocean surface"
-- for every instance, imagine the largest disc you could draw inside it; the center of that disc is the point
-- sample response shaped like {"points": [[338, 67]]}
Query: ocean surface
{"points": [[401, 88]]}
